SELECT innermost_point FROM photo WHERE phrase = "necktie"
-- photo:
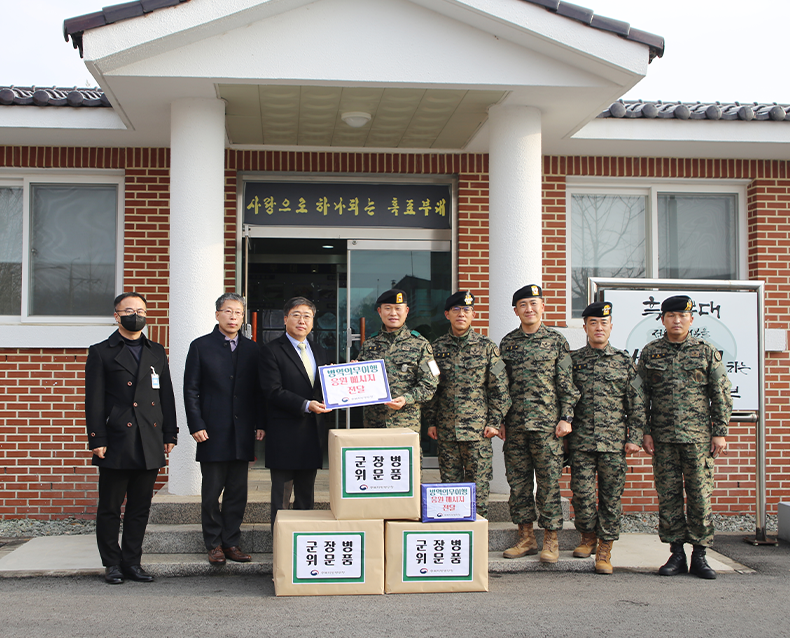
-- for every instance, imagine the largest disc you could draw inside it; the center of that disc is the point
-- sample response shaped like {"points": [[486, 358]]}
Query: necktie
{"points": [[308, 365]]}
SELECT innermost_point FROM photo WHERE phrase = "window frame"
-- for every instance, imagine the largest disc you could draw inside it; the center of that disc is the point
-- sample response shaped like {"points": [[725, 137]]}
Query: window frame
{"points": [[25, 179], [650, 189]]}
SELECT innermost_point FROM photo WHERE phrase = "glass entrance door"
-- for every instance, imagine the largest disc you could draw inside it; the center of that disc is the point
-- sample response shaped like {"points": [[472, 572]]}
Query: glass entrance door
{"points": [[422, 268]]}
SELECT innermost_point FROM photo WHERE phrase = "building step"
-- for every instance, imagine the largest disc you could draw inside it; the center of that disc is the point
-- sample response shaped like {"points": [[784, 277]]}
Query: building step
{"points": [[256, 538]]}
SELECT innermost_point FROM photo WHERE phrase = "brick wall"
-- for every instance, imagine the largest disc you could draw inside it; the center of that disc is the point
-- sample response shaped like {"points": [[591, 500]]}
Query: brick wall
{"points": [[768, 210], [46, 468]]}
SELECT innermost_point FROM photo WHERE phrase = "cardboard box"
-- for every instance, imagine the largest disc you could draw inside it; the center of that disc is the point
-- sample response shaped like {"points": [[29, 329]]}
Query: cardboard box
{"points": [[436, 557], [317, 555], [448, 502], [374, 473]]}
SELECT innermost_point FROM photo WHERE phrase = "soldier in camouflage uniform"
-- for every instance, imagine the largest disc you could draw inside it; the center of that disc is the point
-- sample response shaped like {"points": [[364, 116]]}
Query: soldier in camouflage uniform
{"points": [[412, 372], [470, 402], [539, 366], [689, 407], [608, 423]]}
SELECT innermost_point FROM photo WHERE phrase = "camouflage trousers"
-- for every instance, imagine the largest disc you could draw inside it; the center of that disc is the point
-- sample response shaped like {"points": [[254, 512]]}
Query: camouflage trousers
{"points": [[379, 416], [611, 468], [468, 462], [541, 453], [677, 466]]}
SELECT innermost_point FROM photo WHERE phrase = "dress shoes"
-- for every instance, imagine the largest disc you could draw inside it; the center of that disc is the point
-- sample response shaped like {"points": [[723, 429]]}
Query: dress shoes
{"points": [[216, 556], [235, 554], [138, 574], [113, 575]]}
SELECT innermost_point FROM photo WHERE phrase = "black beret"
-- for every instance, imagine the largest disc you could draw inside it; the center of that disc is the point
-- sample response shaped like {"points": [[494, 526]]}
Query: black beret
{"points": [[678, 303], [461, 298], [391, 296], [598, 309], [533, 290]]}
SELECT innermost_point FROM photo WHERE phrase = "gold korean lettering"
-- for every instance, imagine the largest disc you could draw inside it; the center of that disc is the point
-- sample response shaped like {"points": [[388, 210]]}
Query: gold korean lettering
{"points": [[286, 207], [409, 207], [302, 208], [426, 206], [353, 204], [255, 203], [370, 209], [441, 207], [394, 208], [322, 205], [269, 204], [339, 206]]}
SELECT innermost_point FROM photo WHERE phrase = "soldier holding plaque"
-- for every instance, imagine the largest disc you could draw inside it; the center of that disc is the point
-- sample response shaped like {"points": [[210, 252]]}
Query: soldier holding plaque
{"points": [[412, 372]]}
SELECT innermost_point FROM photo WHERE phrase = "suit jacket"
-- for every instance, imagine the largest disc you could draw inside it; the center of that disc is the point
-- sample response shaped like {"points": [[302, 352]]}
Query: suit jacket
{"points": [[222, 398], [293, 438], [123, 411]]}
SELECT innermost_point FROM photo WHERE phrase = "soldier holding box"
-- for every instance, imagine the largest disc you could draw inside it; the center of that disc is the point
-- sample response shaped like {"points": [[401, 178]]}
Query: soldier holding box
{"points": [[471, 401], [608, 423]]}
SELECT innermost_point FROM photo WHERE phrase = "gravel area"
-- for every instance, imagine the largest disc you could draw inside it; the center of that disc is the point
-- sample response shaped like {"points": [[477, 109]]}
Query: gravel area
{"points": [[647, 523], [633, 523], [29, 527]]}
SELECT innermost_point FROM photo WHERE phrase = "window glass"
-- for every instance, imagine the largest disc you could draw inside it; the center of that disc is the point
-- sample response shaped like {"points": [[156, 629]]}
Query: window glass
{"points": [[10, 251], [607, 240], [72, 249], [697, 236]]}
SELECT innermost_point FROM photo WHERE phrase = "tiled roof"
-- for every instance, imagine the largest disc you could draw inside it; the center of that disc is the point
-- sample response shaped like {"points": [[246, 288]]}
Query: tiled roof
{"points": [[75, 27], [698, 111], [37, 96]]}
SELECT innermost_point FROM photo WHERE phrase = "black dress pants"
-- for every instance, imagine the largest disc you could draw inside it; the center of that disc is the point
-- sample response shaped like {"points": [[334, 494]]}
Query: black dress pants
{"points": [[138, 488], [300, 483], [223, 526]]}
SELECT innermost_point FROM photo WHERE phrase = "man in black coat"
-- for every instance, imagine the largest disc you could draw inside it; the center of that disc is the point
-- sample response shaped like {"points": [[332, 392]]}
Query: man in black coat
{"points": [[294, 405], [225, 414], [130, 416]]}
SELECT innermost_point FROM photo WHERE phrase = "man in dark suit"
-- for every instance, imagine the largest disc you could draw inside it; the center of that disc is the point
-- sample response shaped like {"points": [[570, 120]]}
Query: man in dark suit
{"points": [[130, 416], [294, 405], [224, 414]]}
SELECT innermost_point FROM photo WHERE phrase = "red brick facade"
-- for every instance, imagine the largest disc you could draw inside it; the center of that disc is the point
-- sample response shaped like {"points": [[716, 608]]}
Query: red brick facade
{"points": [[46, 467]]}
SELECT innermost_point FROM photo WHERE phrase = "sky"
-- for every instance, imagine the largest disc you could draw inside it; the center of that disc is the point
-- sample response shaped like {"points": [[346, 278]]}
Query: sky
{"points": [[726, 50]]}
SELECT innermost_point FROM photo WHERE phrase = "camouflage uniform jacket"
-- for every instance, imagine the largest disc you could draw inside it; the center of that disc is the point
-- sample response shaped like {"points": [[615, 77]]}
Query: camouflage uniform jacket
{"points": [[406, 356], [472, 392], [687, 391], [539, 368], [611, 411]]}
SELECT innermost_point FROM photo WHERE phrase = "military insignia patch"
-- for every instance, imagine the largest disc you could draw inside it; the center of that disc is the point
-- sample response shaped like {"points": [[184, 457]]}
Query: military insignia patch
{"points": [[434, 368], [468, 299], [535, 292], [567, 347], [655, 377], [399, 298], [607, 309], [688, 306], [699, 376], [496, 352]]}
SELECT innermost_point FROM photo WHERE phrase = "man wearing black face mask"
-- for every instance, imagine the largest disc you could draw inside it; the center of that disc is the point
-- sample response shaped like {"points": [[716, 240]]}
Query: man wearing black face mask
{"points": [[130, 416]]}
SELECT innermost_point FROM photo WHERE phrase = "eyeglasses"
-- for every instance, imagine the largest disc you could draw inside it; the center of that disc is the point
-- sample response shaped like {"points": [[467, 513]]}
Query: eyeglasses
{"points": [[298, 315], [131, 311], [232, 313], [467, 310]]}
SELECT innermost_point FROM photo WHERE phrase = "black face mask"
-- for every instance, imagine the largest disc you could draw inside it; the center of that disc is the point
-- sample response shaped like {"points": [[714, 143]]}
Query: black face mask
{"points": [[132, 323]]}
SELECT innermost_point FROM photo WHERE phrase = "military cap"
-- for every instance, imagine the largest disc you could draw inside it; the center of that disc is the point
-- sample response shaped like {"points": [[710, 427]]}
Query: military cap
{"points": [[391, 296], [533, 290], [598, 309], [678, 303], [461, 298]]}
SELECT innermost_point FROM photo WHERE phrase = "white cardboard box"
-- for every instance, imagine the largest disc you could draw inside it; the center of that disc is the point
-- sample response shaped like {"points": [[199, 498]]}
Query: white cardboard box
{"points": [[436, 557], [317, 555], [374, 473]]}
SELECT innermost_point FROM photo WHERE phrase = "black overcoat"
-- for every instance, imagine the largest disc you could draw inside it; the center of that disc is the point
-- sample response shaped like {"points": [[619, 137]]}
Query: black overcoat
{"points": [[222, 398], [123, 411], [293, 438]]}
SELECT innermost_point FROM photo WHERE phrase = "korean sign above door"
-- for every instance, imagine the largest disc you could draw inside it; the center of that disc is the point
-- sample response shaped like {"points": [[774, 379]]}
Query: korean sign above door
{"points": [[351, 204]]}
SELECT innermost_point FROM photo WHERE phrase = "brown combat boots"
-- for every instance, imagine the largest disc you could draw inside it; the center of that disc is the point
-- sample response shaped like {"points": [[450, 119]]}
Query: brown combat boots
{"points": [[586, 545], [526, 545], [551, 547], [603, 557]]}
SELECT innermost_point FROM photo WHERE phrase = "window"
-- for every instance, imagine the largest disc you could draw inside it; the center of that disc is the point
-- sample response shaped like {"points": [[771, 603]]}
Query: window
{"points": [[59, 252], [663, 230]]}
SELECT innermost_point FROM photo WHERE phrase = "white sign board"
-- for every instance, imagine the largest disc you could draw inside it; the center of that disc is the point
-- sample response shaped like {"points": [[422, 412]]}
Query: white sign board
{"points": [[727, 320], [377, 472], [438, 555], [329, 557]]}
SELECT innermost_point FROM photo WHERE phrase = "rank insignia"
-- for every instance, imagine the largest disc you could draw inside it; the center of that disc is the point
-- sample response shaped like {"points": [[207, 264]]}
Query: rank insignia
{"points": [[469, 300]]}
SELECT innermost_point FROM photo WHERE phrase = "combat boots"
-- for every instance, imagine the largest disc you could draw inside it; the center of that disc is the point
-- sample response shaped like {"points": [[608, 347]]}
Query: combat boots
{"points": [[699, 564], [586, 545], [603, 557], [551, 547], [677, 561], [526, 545]]}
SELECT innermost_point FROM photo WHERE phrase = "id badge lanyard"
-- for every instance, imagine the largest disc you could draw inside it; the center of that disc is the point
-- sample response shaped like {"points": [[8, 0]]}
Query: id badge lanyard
{"points": [[154, 379]]}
